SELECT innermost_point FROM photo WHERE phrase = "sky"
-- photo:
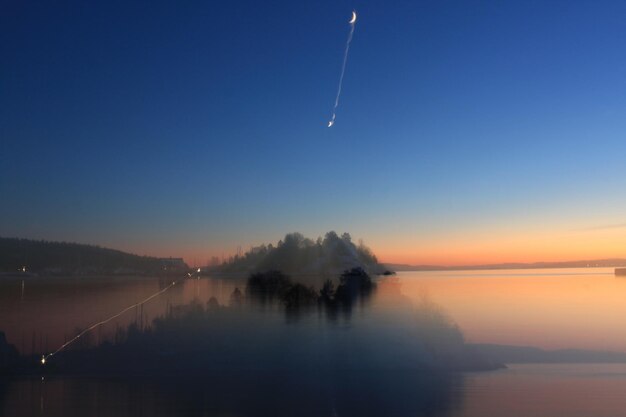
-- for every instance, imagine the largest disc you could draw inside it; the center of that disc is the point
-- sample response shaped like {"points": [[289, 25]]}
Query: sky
{"points": [[467, 132]]}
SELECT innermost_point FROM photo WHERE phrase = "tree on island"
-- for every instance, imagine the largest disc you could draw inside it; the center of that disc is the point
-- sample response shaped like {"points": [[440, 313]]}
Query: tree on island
{"points": [[298, 255]]}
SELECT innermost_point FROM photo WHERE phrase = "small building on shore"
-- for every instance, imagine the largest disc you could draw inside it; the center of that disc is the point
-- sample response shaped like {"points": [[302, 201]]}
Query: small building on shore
{"points": [[173, 264]]}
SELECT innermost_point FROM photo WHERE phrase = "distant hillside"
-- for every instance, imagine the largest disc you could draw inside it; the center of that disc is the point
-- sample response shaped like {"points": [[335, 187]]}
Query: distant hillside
{"points": [[298, 255], [61, 258], [617, 262], [528, 354]]}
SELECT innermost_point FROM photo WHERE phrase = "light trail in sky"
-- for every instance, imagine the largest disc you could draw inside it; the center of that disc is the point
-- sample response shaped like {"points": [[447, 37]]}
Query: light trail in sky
{"points": [[352, 22]]}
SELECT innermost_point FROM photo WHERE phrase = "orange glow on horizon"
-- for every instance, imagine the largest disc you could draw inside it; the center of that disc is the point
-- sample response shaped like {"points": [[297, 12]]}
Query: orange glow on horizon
{"points": [[485, 247], [493, 249]]}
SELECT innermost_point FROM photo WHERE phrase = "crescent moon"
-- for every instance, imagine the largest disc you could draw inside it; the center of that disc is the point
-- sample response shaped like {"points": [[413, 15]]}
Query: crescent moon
{"points": [[353, 18]]}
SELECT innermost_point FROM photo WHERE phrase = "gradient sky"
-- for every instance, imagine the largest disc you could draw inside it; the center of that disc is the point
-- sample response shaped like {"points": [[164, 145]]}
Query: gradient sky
{"points": [[467, 132]]}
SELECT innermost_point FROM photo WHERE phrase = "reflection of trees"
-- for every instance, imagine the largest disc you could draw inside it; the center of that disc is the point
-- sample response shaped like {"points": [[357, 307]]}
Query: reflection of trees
{"points": [[268, 286], [236, 298], [251, 393], [274, 286], [212, 304], [8, 354], [328, 291], [299, 296], [390, 333], [354, 284]]}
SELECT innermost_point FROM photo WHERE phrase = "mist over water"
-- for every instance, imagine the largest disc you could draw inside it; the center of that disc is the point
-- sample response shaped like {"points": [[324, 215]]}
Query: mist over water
{"points": [[367, 355], [551, 309], [396, 352]]}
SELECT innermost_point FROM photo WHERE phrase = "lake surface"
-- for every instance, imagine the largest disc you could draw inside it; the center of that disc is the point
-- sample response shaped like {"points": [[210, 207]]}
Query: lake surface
{"points": [[580, 308], [553, 308], [520, 391]]}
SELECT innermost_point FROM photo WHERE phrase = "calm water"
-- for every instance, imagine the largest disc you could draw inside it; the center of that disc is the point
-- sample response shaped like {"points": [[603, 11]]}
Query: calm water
{"points": [[522, 390], [569, 308], [580, 308]]}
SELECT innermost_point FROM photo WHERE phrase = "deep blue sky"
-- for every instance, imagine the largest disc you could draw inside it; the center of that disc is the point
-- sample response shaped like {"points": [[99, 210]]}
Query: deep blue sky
{"points": [[187, 128]]}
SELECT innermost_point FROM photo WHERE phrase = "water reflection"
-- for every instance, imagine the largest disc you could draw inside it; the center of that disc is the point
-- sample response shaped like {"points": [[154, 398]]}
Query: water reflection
{"points": [[581, 308], [393, 393], [279, 325], [354, 286], [275, 348], [388, 351], [52, 309]]}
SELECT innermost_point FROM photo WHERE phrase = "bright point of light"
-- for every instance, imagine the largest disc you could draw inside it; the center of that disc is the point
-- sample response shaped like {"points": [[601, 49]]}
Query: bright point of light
{"points": [[43, 360], [353, 17], [198, 270]]}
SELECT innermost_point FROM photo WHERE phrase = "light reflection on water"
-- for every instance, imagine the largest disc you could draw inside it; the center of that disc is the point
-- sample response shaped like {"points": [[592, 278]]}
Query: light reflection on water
{"points": [[546, 390], [553, 309], [582, 308], [49, 312]]}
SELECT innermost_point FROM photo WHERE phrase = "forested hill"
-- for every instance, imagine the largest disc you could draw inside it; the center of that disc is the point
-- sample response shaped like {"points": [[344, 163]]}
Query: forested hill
{"points": [[298, 255], [61, 258]]}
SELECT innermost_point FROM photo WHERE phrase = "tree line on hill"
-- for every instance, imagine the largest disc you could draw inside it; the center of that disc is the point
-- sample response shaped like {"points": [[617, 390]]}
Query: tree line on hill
{"points": [[298, 255], [62, 258]]}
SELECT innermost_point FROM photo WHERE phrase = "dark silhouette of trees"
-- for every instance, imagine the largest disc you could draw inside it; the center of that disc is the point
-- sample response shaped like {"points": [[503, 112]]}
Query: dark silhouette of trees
{"points": [[300, 296], [296, 254], [212, 304], [8, 354], [274, 286], [236, 298], [69, 258], [353, 284], [268, 286], [327, 293]]}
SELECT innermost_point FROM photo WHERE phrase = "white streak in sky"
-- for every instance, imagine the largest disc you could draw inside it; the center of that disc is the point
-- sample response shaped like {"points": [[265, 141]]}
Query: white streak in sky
{"points": [[343, 68]]}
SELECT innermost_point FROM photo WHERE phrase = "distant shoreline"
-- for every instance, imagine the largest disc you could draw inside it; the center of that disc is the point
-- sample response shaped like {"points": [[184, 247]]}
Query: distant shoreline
{"points": [[16, 277], [84, 278], [600, 263]]}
